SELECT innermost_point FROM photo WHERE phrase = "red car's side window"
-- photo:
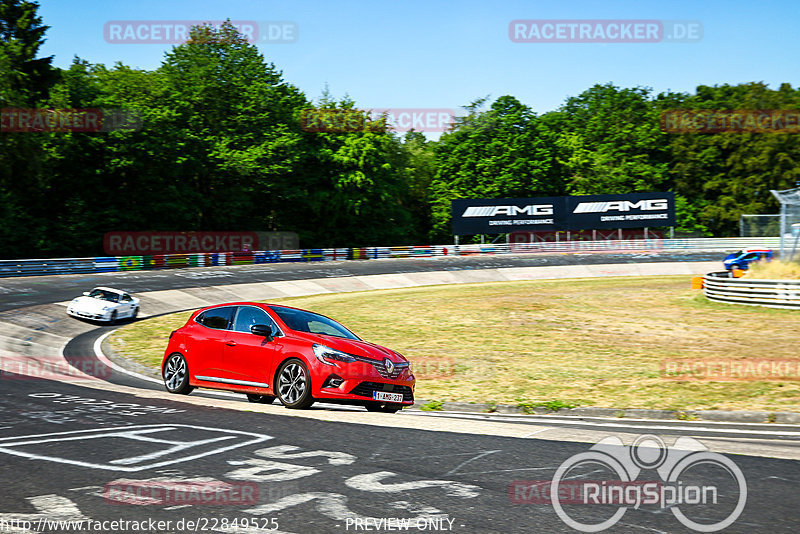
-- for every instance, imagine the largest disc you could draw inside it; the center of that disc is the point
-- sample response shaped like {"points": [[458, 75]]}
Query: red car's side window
{"points": [[217, 318], [248, 316]]}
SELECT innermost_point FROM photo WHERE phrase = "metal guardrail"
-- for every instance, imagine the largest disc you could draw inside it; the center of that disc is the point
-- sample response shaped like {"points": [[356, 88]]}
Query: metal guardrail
{"points": [[704, 243], [104, 264], [721, 287]]}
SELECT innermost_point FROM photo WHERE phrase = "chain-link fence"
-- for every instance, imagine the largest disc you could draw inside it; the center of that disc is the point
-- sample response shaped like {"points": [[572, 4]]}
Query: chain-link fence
{"points": [[789, 221], [760, 225]]}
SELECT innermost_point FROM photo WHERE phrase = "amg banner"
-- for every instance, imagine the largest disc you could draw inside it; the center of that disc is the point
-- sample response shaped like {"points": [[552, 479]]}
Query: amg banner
{"points": [[589, 212], [499, 216]]}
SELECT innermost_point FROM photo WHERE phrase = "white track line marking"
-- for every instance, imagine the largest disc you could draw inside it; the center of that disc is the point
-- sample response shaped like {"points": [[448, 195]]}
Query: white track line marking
{"points": [[642, 426], [155, 459], [98, 352], [636, 424]]}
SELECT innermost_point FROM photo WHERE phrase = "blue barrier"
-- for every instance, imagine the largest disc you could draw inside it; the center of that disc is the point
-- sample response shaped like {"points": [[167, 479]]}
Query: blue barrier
{"points": [[106, 265]]}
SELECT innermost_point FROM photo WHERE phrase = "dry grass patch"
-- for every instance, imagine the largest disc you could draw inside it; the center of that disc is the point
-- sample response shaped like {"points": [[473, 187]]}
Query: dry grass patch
{"points": [[774, 270], [145, 341], [592, 342]]}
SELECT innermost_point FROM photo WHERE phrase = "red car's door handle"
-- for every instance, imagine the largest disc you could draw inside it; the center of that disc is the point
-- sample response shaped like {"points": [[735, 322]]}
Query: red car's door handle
{"points": [[231, 343]]}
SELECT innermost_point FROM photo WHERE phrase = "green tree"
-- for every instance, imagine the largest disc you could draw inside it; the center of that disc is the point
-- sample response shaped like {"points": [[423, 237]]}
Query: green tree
{"points": [[726, 174], [355, 182], [420, 170], [234, 136], [24, 83], [505, 151], [610, 141], [26, 79]]}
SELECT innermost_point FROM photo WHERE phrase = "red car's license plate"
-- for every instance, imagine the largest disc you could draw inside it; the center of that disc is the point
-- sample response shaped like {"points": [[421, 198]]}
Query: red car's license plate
{"points": [[387, 397]]}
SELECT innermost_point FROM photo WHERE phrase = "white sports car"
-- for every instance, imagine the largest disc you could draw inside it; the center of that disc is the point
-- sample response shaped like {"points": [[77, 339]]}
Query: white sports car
{"points": [[104, 304]]}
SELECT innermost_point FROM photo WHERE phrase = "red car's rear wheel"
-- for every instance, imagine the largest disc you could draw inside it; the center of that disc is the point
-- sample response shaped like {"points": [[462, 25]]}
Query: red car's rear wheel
{"points": [[176, 375]]}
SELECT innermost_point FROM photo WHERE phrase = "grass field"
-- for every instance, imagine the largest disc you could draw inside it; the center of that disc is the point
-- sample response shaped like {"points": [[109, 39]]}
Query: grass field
{"points": [[774, 270], [587, 342]]}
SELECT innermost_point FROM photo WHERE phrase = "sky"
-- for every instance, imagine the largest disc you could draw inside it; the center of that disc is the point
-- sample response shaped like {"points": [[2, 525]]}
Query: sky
{"points": [[446, 54]]}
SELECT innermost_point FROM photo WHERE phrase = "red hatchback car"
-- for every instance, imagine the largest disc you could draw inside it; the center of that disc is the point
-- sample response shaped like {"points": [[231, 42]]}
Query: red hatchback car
{"points": [[298, 356]]}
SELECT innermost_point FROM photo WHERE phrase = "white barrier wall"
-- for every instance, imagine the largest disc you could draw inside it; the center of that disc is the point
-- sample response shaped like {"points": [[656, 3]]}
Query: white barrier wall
{"points": [[721, 287]]}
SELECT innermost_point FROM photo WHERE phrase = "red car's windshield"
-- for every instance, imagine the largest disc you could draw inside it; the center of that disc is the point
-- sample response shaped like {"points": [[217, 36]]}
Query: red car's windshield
{"points": [[313, 323]]}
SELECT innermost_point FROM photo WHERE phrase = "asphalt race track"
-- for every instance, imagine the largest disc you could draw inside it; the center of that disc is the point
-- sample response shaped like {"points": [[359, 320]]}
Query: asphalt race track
{"points": [[73, 448], [29, 291]]}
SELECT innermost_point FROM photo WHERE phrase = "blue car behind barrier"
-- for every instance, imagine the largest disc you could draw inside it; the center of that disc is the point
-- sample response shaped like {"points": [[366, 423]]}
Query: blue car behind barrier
{"points": [[743, 258]]}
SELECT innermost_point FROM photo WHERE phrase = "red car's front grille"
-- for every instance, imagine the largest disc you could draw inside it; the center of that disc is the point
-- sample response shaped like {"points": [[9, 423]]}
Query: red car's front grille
{"points": [[381, 367]]}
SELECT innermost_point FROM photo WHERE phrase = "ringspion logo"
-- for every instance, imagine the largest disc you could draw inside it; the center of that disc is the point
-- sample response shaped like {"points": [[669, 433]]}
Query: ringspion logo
{"points": [[687, 485]]}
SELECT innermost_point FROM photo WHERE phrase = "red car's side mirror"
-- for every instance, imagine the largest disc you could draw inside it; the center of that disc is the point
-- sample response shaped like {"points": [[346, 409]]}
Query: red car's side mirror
{"points": [[261, 330]]}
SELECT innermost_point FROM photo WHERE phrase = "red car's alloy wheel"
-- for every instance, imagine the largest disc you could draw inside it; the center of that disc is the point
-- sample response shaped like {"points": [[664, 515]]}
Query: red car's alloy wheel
{"points": [[176, 375], [294, 386]]}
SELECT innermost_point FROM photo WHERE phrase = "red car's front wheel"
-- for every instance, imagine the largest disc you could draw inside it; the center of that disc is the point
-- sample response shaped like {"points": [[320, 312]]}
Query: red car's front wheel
{"points": [[294, 385]]}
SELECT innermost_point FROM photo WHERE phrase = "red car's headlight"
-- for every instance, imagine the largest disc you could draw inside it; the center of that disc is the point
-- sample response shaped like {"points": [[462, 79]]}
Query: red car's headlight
{"points": [[330, 356]]}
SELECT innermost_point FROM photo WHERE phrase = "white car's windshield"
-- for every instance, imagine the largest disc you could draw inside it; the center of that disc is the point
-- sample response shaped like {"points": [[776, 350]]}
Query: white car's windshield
{"points": [[104, 295]]}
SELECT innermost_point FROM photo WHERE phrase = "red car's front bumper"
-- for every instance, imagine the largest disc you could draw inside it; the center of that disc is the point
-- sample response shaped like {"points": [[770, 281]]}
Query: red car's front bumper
{"points": [[358, 381]]}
